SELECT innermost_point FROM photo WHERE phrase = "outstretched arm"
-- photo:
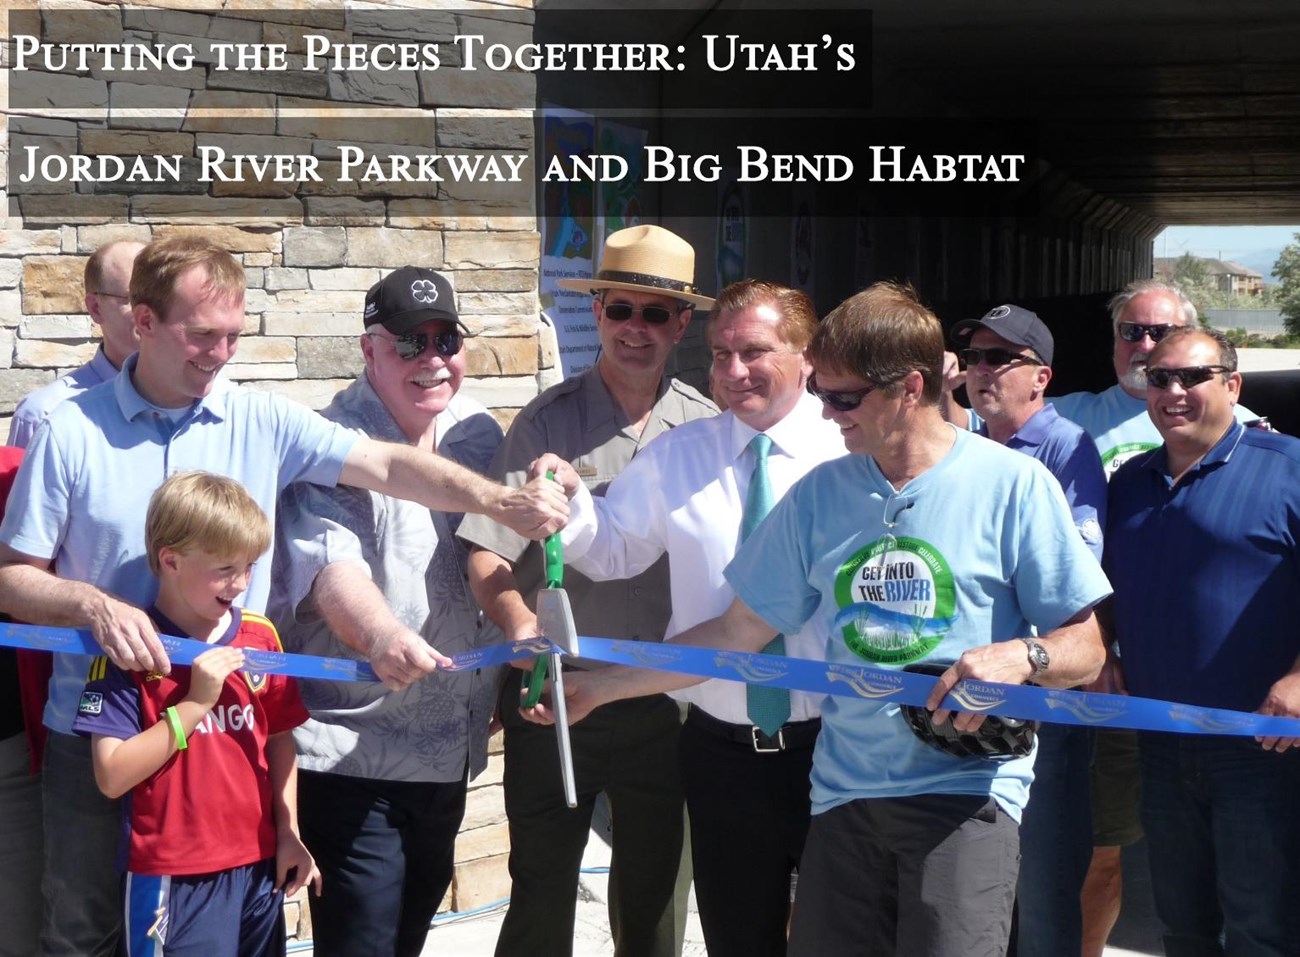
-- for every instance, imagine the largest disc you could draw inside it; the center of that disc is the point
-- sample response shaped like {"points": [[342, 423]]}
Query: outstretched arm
{"points": [[535, 510]]}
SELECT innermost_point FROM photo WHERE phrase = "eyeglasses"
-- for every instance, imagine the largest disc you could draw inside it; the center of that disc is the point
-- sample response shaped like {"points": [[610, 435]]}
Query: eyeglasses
{"points": [[1134, 331], [623, 311], [994, 357], [115, 295], [839, 401], [1189, 377], [414, 344]]}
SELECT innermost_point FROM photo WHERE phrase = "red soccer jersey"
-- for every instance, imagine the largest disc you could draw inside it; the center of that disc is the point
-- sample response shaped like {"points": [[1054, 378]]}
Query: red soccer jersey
{"points": [[209, 807]]}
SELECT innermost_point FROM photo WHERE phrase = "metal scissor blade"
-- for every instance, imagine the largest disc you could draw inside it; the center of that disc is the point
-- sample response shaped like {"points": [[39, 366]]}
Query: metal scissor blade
{"points": [[555, 622]]}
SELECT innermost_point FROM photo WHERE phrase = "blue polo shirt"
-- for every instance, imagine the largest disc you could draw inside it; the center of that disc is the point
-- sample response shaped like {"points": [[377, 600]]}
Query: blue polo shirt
{"points": [[1206, 572], [82, 493], [1072, 458], [35, 406]]}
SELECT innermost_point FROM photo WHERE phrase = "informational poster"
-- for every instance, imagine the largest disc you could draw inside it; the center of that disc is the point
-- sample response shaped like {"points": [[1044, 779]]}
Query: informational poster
{"points": [[733, 234], [569, 239], [620, 201]]}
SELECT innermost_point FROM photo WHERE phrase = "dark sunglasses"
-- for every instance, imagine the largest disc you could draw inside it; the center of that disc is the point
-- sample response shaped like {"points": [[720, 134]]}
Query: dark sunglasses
{"points": [[623, 311], [414, 344], [1134, 331], [1189, 377], [839, 401], [994, 357]]}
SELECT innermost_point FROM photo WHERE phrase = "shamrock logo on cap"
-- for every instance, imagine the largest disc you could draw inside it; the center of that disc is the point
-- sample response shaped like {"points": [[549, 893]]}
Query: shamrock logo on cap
{"points": [[423, 290]]}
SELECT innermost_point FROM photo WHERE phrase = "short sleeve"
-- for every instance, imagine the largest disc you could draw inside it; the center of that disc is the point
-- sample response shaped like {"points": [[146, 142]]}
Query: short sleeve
{"points": [[110, 703], [318, 526]]}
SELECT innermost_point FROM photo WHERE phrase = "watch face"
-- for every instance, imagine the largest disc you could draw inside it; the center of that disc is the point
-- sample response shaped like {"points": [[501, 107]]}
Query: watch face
{"points": [[1038, 656]]}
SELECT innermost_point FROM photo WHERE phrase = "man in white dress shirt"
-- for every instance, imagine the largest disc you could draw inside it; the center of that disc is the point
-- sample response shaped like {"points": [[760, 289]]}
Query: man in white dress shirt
{"points": [[747, 787]]}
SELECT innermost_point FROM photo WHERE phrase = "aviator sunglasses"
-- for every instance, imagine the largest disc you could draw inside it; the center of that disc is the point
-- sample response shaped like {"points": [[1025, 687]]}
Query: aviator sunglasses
{"points": [[1134, 331], [414, 344], [845, 401], [623, 311], [1189, 377], [996, 358]]}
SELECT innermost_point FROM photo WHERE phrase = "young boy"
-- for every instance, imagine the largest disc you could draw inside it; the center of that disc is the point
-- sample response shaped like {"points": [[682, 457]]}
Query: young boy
{"points": [[205, 754]]}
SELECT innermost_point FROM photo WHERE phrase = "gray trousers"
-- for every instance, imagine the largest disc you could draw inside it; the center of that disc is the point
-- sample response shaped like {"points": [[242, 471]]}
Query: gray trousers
{"points": [[927, 876], [20, 850], [83, 906]]}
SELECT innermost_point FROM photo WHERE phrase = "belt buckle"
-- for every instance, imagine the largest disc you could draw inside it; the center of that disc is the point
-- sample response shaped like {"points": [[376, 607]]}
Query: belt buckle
{"points": [[766, 744]]}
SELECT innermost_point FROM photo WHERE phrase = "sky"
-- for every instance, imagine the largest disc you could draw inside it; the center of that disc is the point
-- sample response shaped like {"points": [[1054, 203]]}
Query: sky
{"points": [[1254, 246]]}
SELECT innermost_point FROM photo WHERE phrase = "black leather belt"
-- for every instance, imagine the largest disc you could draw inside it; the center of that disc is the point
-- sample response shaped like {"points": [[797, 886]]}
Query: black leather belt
{"points": [[791, 736]]}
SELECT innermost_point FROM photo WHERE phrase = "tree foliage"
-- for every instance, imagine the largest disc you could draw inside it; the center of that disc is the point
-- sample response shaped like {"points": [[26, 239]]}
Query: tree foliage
{"points": [[1287, 297], [1191, 274]]}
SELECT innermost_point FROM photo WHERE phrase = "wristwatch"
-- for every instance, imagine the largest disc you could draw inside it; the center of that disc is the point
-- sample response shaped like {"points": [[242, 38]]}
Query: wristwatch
{"points": [[1038, 657]]}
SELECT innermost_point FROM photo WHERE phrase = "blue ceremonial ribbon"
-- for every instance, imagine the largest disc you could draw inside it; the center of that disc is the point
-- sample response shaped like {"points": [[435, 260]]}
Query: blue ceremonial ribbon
{"points": [[900, 687], [797, 674]]}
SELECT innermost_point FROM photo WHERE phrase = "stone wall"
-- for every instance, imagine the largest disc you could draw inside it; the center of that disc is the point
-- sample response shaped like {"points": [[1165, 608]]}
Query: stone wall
{"points": [[306, 288]]}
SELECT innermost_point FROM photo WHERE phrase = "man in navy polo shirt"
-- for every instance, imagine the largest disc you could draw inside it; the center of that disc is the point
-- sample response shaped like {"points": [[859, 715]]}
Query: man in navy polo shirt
{"points": [[1201, 546], [1007, 355]]}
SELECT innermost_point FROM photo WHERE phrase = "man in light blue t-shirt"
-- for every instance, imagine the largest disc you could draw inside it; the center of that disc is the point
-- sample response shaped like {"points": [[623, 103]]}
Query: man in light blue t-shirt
{"points": [[79, 502], [912, 848]]}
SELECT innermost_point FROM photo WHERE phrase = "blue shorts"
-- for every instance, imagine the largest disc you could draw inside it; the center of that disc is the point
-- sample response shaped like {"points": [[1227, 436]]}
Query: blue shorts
{"points": [[233, 913]]}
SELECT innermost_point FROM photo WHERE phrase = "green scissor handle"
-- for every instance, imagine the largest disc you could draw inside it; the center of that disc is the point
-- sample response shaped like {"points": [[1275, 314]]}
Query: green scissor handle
{"points": [[553, 550]]}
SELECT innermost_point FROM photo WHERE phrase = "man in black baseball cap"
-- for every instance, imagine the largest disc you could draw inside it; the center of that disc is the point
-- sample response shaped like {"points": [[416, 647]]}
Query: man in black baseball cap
{"points": [[1007, 356]]}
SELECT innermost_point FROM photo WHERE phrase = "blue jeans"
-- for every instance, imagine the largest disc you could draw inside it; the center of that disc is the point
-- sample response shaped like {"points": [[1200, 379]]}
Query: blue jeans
{"points": [[1222, 819], [1055, 845]]}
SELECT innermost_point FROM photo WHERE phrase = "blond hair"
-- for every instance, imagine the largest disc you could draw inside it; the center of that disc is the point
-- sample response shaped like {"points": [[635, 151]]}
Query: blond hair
{"points": [[200, 511], [163, 262]]}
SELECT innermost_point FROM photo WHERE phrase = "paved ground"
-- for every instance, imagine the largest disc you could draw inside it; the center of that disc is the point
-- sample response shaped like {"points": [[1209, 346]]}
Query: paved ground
{"points": [[475, 935], [1263, 360]]}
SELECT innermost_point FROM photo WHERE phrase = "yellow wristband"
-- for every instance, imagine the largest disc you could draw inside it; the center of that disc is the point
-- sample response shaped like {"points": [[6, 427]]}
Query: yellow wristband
{"points": [[178, 729]]}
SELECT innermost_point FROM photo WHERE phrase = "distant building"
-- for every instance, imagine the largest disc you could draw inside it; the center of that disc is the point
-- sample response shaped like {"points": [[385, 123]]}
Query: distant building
{"points": [[1227, 276]]}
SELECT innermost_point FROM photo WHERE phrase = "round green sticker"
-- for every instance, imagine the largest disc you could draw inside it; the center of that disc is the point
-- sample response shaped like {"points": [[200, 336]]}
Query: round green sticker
{"points": [[896, 598]]}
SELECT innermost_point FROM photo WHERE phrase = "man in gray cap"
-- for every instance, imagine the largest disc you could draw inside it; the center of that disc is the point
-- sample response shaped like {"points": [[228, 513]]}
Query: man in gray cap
{"points": [[381, 792], [1007, 356], [598, 420]]}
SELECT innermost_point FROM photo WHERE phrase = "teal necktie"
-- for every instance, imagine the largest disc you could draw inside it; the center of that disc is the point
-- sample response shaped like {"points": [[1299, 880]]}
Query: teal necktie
{"points": [[769, 708]]}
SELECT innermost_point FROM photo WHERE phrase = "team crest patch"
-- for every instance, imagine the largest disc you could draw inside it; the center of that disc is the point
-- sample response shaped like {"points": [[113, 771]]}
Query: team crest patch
{"points": [[896, 599], [256, 681], [1090, 529], [92, 702]]}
